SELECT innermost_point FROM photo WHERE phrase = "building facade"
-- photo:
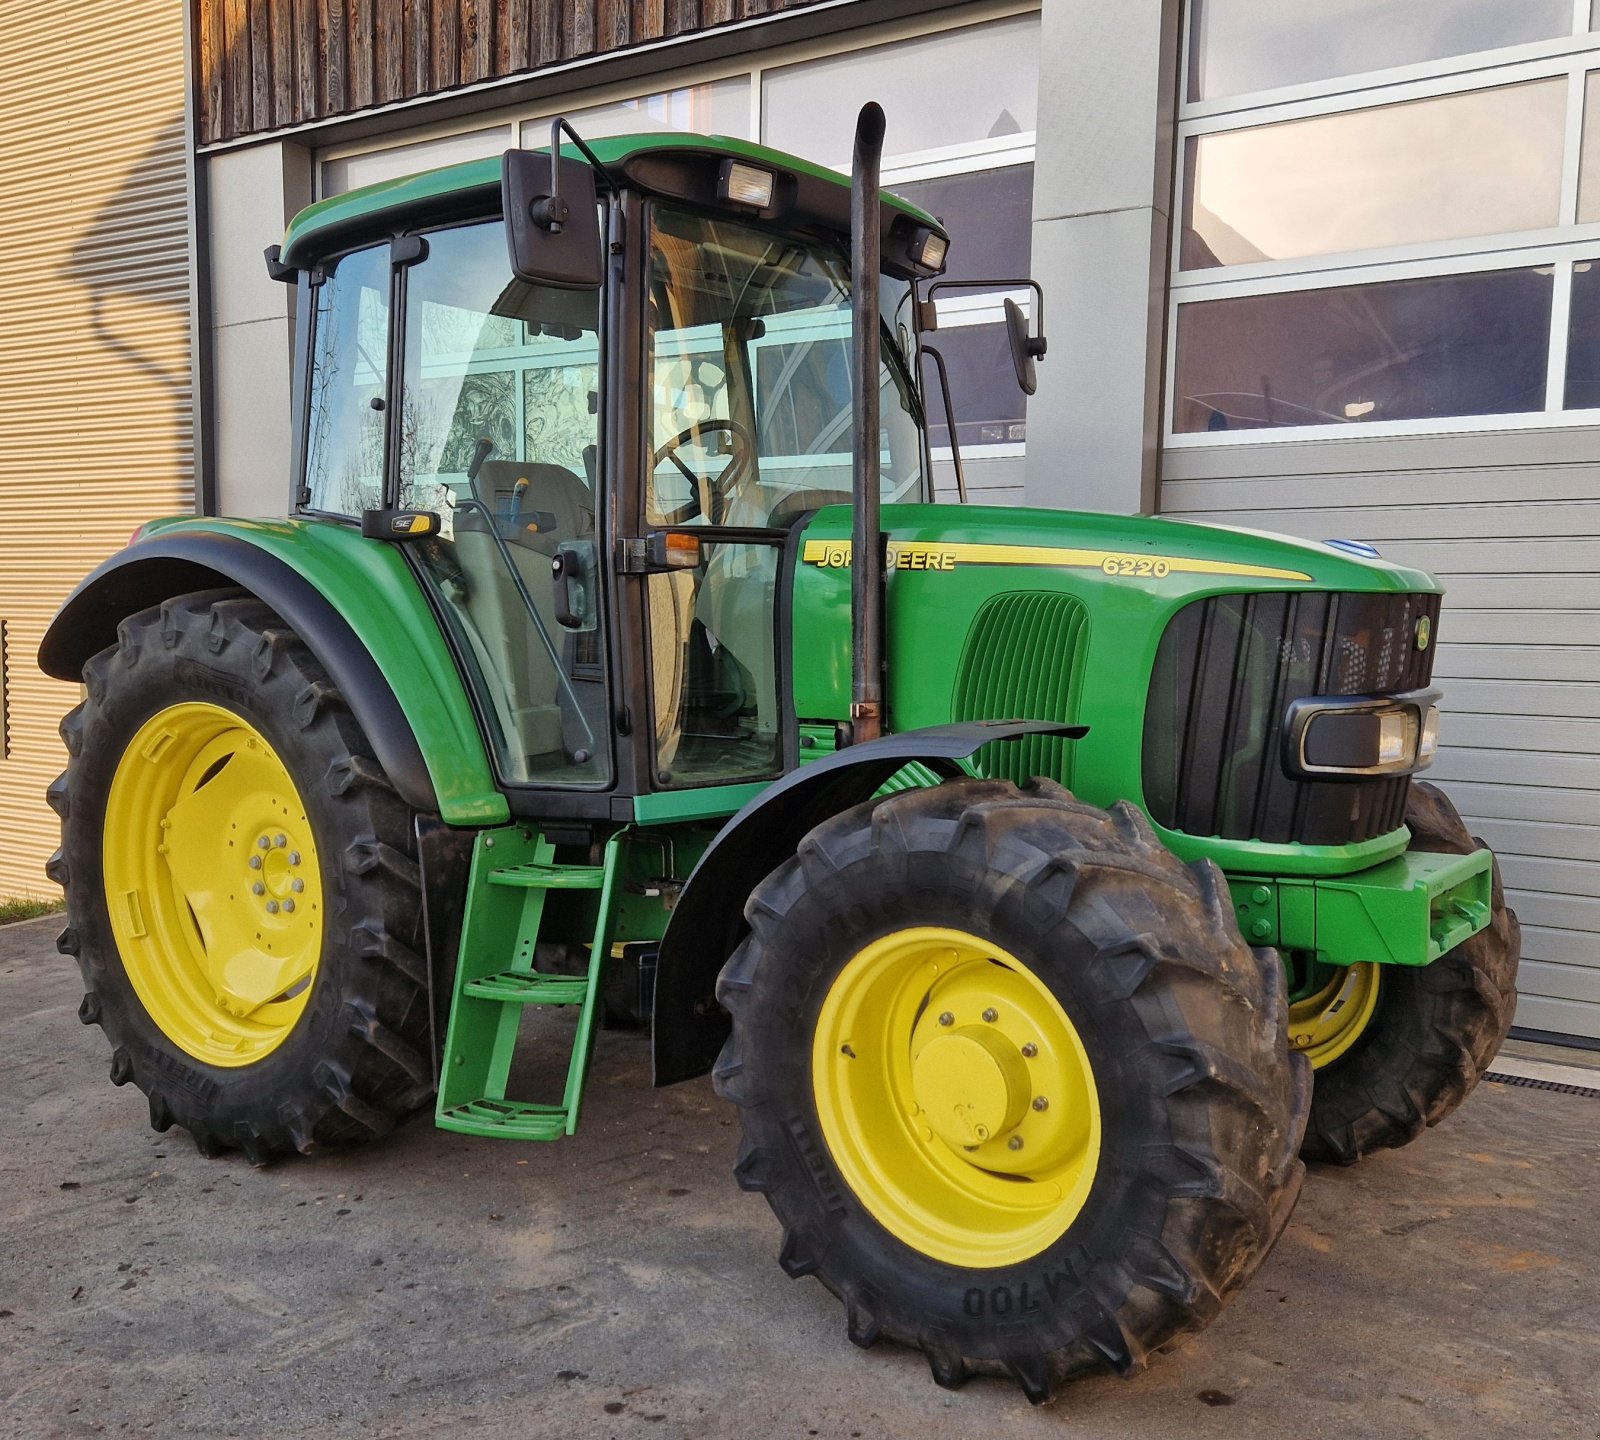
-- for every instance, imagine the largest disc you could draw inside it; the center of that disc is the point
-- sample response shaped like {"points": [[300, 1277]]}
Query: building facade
{"points": [[1330, 268], [95, 384]]}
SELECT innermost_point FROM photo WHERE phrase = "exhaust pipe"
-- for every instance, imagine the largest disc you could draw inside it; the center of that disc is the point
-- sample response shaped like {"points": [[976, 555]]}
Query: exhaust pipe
{"points": [[868, 563]]}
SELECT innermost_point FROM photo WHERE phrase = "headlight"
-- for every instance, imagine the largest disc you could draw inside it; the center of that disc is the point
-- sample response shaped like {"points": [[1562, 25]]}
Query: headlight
{"points": [[746, 184], [1328, 737], [928, 251]]}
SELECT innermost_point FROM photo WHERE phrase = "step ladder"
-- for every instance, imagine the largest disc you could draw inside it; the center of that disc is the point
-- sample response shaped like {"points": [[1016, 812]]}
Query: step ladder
{"points": [[513, 874]]}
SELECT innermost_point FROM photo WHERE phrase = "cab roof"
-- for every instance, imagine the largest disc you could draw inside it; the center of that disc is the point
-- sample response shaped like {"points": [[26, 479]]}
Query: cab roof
{"points": [[330, 224]]}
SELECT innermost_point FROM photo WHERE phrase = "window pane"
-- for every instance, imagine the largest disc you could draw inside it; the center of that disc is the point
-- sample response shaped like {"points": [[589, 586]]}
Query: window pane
{"points": [[1583, 342], [349, 359], [721, 107], [1242, 45], [1481, 163], [989, 214], [926, 88], [749, 369], [990, 406], [499, 429], [1400, 350], [353, 171], [1589, 157]]}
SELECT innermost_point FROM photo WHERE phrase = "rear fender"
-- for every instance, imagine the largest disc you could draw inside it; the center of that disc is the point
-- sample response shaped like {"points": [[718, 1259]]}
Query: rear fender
{"points": [[359, 611], [709, 922]]}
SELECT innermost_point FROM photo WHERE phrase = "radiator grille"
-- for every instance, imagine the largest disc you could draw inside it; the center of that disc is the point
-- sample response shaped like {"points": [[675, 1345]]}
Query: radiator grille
{"points": [[1024, 661], [1226, 672]]}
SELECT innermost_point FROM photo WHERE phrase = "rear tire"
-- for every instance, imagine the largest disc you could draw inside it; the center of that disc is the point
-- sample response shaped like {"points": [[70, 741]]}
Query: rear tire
{"points": [[337, 1057], [1067, 911], [1434, 1028]]}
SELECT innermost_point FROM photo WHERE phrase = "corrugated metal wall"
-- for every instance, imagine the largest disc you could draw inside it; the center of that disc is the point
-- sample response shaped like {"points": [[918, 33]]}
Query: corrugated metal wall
{"points": [[267, 63], [94, 347], [1510, 523]]}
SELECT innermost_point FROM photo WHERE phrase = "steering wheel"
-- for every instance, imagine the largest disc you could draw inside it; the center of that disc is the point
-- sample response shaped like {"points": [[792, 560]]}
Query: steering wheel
{"points": [[708, 485]]}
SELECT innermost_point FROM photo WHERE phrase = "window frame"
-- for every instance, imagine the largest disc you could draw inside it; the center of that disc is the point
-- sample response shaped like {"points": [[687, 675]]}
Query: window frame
{"points": [[310, 283], [1574, 57]]}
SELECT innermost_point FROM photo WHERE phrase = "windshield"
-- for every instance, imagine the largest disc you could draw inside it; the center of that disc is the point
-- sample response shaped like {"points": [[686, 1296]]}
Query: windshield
{"points": [[749, 371]]}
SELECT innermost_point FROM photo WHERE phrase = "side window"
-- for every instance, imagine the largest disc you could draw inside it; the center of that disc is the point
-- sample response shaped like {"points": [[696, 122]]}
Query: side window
{"points": [[349, 349]]}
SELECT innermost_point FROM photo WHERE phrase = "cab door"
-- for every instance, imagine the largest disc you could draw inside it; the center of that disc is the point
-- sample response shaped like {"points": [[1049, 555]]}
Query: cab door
{"points": [[497, 430]]}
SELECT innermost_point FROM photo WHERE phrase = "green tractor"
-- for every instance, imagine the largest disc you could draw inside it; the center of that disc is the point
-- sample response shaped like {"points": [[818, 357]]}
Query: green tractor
{"points": [[1011, 870]]}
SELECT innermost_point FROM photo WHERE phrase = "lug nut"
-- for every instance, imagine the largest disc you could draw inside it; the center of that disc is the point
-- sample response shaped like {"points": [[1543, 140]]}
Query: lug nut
{"points": [[255, 862], [258, 888], [1014, 1143], [294, 857], [288, 905], [991, 1015], [272, 907], [1040, 1103], [1029, 1050], [280, 841], [263, 843], [297, 884], [947, 1018]]}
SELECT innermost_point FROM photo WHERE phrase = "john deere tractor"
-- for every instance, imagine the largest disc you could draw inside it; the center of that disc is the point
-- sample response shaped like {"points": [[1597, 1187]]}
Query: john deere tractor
{"points": [[1040, 886]]}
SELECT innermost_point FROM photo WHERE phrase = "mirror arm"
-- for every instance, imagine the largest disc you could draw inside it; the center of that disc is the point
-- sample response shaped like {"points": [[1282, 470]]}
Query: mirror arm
{"points": [[551, 212], [1036, 344], [950, 420]]}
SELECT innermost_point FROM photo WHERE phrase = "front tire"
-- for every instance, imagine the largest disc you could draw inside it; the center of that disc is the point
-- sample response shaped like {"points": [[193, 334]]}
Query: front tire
{"points": [[927, 970], [1419, 1038], [242, 893]]}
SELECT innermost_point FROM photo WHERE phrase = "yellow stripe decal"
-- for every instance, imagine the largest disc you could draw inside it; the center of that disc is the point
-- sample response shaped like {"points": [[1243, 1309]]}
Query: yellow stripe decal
{"points": [[937, 555]]}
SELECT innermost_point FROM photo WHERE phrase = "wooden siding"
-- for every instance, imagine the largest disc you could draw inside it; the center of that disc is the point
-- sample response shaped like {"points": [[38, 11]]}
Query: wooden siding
{"points": [[1511, 524], [269, 63], [94, 353]]}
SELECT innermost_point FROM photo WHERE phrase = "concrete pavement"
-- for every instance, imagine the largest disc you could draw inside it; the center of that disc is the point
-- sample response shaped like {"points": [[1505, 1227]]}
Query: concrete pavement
{"points": [[618, 1284]]}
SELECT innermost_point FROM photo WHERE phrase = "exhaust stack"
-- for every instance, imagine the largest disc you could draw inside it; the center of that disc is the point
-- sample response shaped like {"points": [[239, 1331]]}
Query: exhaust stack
{"points": [[867, 550]]}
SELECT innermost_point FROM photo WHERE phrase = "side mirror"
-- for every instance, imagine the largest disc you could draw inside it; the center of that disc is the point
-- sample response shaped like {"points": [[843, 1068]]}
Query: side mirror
{"points": [[1025, 349], [552, 220]]}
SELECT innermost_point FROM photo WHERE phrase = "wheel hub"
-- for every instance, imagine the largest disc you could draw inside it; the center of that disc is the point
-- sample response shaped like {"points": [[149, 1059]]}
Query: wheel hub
{"points": [[1334, 1011], [971, 1084], [212, 883], [956, 1096]]}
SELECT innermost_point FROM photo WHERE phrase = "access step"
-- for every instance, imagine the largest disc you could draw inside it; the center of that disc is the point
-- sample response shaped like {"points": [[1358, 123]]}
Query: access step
{"points": [[522, 987], [506, 1119], [533, 876]]}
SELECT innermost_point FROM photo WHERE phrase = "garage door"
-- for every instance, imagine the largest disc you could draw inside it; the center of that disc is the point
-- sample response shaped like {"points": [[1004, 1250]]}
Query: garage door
{"points": [[1511, 524]]}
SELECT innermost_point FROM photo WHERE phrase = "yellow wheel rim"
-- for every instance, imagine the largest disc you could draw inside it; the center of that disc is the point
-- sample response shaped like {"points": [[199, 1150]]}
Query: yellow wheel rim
{"points": [[956, 1097], [1325, 1025], [212, 884]]}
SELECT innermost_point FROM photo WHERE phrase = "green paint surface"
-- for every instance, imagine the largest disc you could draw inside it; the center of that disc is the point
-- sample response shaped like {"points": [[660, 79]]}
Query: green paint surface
{"points": [[1407, 911], [368, 583], [931, 612]]}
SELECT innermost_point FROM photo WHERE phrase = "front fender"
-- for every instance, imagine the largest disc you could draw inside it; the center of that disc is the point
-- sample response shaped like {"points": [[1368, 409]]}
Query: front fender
{"points": [[708, 922], [359, 611]]}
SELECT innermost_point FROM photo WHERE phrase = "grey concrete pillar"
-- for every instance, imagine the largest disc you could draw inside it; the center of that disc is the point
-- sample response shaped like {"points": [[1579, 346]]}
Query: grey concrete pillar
{"points": [[1101, 222], [252, 193]]}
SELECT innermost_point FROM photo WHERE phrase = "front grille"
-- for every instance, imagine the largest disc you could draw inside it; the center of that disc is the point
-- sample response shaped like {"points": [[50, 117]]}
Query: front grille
{"points": [[1227, 670], [1024, 661]]}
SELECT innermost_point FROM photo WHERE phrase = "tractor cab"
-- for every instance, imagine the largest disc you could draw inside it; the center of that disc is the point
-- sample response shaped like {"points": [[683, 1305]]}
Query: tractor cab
{"points": [[595, 440]]}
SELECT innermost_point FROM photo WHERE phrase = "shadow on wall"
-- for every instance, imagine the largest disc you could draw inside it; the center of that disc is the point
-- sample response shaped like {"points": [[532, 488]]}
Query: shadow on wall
{"points": [[111, 261]]}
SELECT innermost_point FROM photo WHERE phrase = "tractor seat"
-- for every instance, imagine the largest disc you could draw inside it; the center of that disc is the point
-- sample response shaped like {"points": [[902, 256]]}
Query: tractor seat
{"points": [[554, 506]]}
